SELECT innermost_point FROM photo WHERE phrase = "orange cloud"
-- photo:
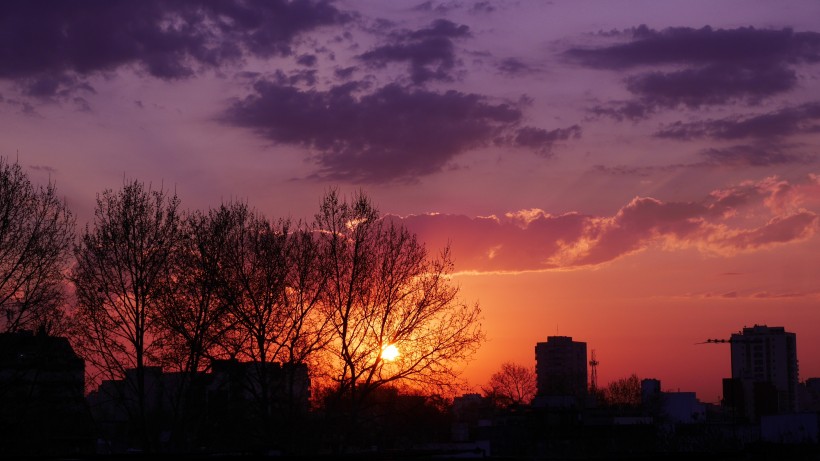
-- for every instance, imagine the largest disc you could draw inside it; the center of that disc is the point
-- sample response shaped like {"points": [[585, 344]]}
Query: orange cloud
{"points": [[532, 240]]}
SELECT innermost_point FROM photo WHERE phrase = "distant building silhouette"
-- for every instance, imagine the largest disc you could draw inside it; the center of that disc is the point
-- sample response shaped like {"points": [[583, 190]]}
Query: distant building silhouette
{"points": [[42, 406], [224, 404], [671, 407], [810, 395], [764, 372], [561, 368]]}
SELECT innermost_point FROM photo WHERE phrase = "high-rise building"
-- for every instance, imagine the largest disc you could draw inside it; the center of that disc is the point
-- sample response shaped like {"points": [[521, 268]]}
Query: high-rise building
{"points": [[42, 406], [764, 371], [561, 367]]}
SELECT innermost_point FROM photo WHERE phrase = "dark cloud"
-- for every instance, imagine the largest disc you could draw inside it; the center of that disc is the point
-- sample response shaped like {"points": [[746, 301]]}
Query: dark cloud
{"points": [[482, 7], [721, 66], [714, 84], [438, 7], [440, 28], [745, 45], [514, 66], [391, 134], [422, 56], [804, 118], [630, 110], [627, 170], [25, 106], [424, 6], [344, 73], [764, 139], [446, 7], [430, 52], [755, 155], [307, 77], [55, 86], [308, 60], [542, 140], [81, 104], [170, 40]]}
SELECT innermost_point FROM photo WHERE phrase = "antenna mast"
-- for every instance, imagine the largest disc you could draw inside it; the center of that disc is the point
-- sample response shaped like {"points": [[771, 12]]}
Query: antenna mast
{"points": [[593, 365]]}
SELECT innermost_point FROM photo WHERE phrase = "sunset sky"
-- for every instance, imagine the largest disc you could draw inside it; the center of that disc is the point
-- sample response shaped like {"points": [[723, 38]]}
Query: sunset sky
{"points": [[639, 175]]}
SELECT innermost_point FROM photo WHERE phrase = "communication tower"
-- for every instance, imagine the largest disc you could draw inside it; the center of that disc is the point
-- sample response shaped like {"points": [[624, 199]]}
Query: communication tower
{"points": [[593, 365]]}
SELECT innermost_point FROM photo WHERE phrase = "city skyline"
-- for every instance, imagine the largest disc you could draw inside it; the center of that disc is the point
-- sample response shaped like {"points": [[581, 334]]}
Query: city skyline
{"points": [[638, 176]]}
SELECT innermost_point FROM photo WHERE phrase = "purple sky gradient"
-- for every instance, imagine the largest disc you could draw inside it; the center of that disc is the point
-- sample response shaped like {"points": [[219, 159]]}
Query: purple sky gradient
{"points": [[587, 142]]}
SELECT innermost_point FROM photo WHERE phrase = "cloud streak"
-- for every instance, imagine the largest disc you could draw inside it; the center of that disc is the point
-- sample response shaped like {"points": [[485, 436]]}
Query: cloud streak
{"points": [[709, 85], [685, 45], [751, 155], [804, 118]]}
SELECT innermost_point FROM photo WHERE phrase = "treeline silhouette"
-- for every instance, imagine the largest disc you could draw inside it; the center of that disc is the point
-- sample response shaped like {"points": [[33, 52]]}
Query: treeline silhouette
{"points": [[148, 286]]}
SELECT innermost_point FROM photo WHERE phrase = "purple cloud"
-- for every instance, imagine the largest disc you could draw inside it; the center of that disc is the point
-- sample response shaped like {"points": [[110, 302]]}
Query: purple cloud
{"points": [[713, 84], [514, 66], [344, 73], [723, 65], [755, 155], [46, 40], [430, 52], [630, 110], [308, 60], [542, 140], [51, 86], [777, 124], [702, 47], [392, 134]]}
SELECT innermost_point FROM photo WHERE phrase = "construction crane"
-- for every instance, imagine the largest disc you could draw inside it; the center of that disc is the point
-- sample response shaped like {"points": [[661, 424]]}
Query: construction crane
{"points": [[736, 340], [715, 341], [593, 365]]}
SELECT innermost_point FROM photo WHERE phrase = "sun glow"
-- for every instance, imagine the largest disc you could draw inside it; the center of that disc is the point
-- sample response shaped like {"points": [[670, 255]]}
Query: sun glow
{"points": [[390, 352]]}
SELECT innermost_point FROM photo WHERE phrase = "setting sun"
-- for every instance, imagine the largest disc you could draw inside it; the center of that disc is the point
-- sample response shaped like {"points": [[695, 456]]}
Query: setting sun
{"points": [[390, 352]]}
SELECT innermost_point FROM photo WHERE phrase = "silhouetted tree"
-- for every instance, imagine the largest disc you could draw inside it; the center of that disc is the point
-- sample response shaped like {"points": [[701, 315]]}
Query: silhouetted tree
{"points": [[384, 289], [275, 282], [123, 263], [308, 327], [36, 234], [256, 270], [194, 315], [194, 310], [623, 392], [307, 330], [512, 385]]}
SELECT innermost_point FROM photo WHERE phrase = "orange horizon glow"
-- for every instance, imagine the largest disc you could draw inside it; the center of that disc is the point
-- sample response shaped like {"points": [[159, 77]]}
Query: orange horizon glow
{"points": [[643, 315]]}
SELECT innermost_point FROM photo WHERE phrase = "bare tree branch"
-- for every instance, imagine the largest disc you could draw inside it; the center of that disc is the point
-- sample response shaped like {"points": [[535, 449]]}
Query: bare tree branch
{"points": [[36, 234]]}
